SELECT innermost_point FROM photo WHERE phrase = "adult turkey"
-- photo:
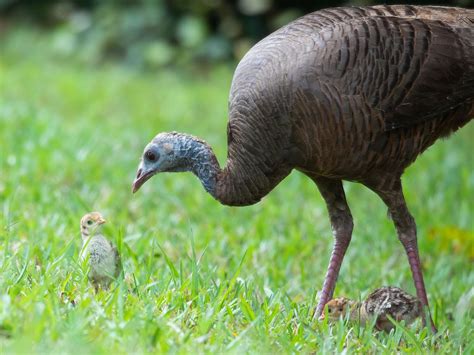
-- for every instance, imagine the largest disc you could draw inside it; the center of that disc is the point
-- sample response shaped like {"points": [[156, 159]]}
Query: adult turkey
{"points": [[352, 93]]}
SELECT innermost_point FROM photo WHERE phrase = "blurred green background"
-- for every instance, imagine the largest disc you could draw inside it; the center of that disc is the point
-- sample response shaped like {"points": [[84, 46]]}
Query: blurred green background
{"points": [[157, 33]]}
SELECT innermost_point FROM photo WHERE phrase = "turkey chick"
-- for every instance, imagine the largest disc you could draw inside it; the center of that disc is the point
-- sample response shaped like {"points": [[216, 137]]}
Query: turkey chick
{"points": [[103, 257], [380, 304]]}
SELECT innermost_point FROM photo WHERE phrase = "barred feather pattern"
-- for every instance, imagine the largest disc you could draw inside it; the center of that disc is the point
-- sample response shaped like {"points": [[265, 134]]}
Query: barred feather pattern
{"points": [[352, 93], [391, 302]]}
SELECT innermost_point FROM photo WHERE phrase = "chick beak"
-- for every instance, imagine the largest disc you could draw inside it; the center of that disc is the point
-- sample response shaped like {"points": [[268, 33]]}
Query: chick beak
{"points": [[102, 221], [142, 177], [321, 317]]}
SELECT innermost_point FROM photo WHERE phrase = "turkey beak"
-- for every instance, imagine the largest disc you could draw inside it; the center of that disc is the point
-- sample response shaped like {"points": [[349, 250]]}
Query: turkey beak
{"points": [[102, 221], [142, 177]]}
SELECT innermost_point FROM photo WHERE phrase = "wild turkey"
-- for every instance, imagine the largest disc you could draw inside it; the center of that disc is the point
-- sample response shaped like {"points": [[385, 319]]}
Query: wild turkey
{"points": [[354, 93], [381, 305]]}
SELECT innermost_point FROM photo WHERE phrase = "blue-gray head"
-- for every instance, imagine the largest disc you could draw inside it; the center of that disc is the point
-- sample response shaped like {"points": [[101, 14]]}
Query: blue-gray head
{"points": [[177, 152]]}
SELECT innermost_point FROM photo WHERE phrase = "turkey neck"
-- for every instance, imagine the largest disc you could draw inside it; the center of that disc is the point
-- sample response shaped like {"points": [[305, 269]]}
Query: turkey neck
{"points": [[86, 233], [238, 184]]}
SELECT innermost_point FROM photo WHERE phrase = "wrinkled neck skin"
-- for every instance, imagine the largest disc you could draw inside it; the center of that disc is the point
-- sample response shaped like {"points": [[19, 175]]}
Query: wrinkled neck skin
{"points": [[197, 157]]}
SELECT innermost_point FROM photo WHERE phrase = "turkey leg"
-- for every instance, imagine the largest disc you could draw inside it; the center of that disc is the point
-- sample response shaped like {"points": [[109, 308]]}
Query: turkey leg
{"points": [[406, 230], [342, 225]]}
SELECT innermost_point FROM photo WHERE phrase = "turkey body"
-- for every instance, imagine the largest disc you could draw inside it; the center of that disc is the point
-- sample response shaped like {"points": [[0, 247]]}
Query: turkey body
{"points": [[349, 93]]}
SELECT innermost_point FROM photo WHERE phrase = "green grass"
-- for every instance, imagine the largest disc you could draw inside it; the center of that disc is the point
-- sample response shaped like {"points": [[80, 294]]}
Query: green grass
{"points": [[201, 277]]}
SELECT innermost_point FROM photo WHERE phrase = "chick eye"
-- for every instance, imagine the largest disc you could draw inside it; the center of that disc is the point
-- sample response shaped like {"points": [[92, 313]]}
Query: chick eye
{"points": [[329, 310], [89, 222], [151, 156], [340, 309]]}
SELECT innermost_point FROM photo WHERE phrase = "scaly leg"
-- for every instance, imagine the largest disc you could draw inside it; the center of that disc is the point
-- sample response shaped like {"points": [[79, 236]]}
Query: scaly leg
{"points": [[406, 230], [342, 225]]}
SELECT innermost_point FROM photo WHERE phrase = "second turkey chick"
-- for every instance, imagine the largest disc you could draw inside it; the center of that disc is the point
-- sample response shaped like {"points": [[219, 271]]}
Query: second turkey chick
{"points": [[380, 304], [103, 257]]}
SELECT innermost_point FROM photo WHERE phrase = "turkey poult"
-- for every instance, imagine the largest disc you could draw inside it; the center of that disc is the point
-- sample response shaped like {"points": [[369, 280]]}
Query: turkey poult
{"points": [[381, 304], [353, 93], [104, 259]]}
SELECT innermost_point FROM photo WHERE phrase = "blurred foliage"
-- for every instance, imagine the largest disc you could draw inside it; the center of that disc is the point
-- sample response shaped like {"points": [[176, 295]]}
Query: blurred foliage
{"points": [[155, 33], [454, 240]]}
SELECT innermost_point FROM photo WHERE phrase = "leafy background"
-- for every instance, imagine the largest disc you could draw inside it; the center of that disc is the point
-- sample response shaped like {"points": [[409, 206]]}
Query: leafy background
{"points": [[157, 33]]}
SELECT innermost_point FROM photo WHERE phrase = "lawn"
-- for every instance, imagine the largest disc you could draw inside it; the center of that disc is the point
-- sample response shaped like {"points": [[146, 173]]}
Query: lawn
{"points": [[200, 277]]}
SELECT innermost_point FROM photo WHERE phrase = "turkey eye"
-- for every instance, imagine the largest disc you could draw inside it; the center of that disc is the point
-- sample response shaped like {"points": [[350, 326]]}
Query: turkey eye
{"points": [[89, 222], [340, 309], [150, 156], [329, 310]]}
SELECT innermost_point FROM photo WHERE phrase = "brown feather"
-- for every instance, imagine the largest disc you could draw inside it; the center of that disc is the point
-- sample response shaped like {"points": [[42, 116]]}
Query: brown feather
{"points": [[347, 93]]}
